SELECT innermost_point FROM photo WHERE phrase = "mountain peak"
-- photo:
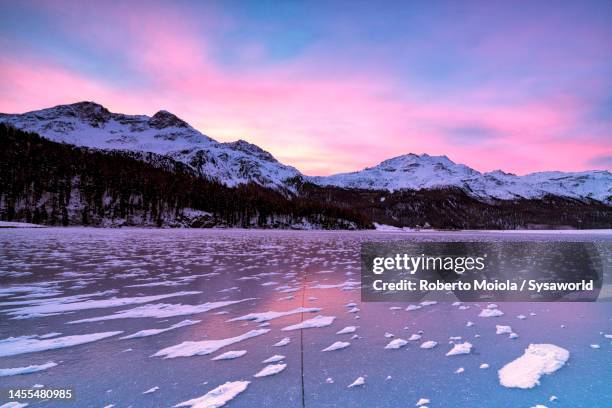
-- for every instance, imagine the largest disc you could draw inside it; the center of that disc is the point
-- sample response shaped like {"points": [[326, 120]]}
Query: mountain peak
{"points": [[413, 159], [86, 105], [84, 108], [164, 119], [92, 125], [500, 173], [250, 148], [91, 112]]}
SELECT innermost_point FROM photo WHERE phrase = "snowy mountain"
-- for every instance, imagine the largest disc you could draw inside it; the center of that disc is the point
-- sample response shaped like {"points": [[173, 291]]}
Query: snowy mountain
{"points": [[92, 125], [50, 183], [414, 172]]}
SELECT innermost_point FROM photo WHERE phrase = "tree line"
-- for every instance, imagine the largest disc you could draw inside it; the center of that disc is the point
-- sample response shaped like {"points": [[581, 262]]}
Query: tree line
{"points": [[51, 183]]}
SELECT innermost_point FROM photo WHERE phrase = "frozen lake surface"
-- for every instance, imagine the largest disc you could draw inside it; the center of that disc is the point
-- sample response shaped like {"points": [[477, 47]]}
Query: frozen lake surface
{"points": [[158, 318]]}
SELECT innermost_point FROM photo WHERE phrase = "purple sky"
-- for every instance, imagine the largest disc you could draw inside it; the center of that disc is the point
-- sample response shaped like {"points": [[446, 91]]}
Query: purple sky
{"points": [[331, 86]]}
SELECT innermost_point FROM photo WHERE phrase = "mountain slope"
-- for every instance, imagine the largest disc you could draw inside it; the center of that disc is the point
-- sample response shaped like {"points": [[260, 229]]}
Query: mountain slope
{"points": [[453, 208], [59, 184], [414, 172], [91, 125]]}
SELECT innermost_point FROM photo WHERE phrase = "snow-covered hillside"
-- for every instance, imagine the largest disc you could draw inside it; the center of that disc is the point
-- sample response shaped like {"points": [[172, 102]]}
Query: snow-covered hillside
{"points": [[92, 125], [416, 172]]}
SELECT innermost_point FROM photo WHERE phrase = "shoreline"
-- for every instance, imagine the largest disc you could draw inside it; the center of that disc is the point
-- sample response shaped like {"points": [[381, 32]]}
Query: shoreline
{"points": [[395, 230]]}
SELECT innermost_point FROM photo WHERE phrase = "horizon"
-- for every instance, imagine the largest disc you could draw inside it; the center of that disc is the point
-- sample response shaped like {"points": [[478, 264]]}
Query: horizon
{"points": [[338, 87]]}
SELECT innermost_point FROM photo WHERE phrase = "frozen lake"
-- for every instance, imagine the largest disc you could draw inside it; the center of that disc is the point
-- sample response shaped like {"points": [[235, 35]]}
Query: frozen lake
{"points": [[134, 317]]}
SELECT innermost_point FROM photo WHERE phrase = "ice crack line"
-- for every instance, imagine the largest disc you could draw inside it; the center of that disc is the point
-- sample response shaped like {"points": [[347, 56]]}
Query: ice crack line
{"points": [[302, 340]]}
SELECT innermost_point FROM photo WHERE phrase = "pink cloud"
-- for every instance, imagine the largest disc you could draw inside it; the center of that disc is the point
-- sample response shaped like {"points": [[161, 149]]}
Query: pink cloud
{"points": [[320, 123]]}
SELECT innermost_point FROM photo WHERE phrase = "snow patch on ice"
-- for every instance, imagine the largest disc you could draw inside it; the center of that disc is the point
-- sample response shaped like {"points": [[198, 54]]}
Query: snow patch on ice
{"points": [[267, 316], [422, 401], [29, 344], [230, 355], [347, 330], [537, 360], [429, 344], [217, 397], [5, 372], [57, 308], [357, 383], [14, 404], [269, 370], [396, 344], [163, 310], [153, 332], [338, 345], [490, 313], [502, 329], [283, 342], [318, 321], [460, 348], [204, 347], [274, 359], [414, 337]]}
